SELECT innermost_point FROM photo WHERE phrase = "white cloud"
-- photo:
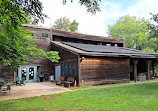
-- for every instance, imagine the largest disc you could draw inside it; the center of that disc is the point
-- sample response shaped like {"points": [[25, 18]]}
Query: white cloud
{"points": [[88, 24], [143, 8], [96, 24]]}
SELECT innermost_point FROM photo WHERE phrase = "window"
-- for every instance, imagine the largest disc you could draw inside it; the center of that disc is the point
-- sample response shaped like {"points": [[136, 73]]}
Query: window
{"points": [[69, 40], [85, 42], [31, 73], [23, 72], [99, 43], [44, 35], [90, 42], [108, 44], [56, 38], [115, 45], [80, 41], [69, 69]]}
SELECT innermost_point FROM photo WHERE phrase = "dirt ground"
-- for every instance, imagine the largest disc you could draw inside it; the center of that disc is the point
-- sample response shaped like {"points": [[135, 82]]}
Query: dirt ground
{"points": [[46, 88], [33, 89]]}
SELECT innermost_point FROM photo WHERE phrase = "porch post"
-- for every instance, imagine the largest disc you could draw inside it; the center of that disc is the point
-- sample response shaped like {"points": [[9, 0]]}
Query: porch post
{"points": [[135, 69], [148, 69], [79, 71]]}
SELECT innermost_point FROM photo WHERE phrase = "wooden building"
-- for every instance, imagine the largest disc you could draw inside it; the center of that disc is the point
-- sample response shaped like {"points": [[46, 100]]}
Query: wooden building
{"points": [[90, 59]]}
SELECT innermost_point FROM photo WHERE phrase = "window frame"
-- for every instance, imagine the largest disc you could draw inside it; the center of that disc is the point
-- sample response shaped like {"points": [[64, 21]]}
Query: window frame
{"points": [[43, 35]]}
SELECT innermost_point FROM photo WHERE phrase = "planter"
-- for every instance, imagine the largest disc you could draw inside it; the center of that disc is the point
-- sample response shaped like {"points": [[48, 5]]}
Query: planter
{"points": [[141, 78]]}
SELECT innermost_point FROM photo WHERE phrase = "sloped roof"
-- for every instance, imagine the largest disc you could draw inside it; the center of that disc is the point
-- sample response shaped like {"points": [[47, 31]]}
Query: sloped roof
{"points": [[100, 50], [77, 35], [86, 37]]}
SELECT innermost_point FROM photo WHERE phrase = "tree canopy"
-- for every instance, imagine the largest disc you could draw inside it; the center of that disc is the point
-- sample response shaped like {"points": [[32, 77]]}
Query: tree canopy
{"points": [[64, 23], [15, 49], [91, 5], [134, 30], [154, 32], [19, 9]]}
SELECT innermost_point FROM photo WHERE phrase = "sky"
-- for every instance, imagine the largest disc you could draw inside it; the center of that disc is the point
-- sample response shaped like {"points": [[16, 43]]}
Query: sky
{"points": [[97, 24]]}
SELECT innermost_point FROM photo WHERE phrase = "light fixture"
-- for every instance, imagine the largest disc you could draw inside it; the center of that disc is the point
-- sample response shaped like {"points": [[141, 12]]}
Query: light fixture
{"points": [[82, 58]]}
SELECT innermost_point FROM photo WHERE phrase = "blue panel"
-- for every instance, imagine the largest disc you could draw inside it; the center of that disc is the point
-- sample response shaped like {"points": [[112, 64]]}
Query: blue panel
{"points": [[29, 70]]}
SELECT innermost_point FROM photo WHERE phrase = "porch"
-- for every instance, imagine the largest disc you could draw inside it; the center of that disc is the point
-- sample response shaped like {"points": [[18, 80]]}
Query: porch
{"points": [[33, 89], [146, 66]]}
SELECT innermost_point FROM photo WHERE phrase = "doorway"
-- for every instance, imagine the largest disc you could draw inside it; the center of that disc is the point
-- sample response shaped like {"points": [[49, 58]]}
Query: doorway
{"points": [[28, 72], [57, 72]]}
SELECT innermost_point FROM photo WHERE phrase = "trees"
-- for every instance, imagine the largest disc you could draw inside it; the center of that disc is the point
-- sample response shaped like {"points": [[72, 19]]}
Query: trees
{"points": [[154, 32], [91, 5], [19, 9], [65, 24], [15, 49], [133, 30]]}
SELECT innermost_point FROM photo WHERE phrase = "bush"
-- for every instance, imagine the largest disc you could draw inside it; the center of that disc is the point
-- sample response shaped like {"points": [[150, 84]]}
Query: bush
{"points": [[141, 74]]}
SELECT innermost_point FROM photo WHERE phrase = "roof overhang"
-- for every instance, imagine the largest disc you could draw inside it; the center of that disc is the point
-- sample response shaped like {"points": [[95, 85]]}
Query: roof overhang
{"points": [[104, 54]]}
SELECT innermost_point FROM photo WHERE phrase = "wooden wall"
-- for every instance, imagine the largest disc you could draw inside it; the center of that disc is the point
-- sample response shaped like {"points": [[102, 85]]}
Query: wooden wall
{"points": [[97, 69], [6, 73], [42, 43], [68, 62]]}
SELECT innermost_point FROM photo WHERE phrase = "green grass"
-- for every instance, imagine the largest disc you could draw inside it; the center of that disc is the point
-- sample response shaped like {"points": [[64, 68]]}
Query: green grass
{"points": [[137, 97]]}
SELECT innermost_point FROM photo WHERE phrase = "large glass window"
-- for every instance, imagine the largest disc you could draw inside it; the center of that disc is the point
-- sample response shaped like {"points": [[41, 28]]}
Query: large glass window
{"points": [[116, 45], [23, 72], [31, 73], [90, 42], [69, 69], [108, 44], [57, 38]]}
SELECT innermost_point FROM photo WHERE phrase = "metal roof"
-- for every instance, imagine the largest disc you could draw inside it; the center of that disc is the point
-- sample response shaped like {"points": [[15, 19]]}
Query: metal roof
{"points": [[100, 50]]}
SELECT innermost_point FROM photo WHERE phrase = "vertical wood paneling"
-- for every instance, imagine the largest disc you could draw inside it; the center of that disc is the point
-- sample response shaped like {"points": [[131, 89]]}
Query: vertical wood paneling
{"points": [[104, 68]]}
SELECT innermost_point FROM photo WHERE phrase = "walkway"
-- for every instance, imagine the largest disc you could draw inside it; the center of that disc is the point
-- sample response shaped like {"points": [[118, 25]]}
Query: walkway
{"points": [[46, 88], [34, 89]]}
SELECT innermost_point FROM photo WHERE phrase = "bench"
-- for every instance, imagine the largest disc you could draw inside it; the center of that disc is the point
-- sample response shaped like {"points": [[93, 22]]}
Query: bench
{"points": [[60, 81], [70, 80]]}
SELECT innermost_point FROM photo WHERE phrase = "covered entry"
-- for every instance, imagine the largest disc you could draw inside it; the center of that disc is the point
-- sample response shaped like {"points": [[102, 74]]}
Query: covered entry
{"points": [[28, 72], [144, 65]]}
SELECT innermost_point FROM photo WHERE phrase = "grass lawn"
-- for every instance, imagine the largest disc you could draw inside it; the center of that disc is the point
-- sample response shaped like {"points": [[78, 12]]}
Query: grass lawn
{"points": [[137, 97]]}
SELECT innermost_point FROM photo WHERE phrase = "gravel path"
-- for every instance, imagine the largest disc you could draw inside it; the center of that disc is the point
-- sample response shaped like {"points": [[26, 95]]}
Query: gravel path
{"points": [[33, 89]]}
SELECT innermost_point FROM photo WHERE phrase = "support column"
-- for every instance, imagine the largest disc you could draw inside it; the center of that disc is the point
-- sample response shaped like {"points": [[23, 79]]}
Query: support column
{"points": [[148, 69], [135, 69], [79, 71]]}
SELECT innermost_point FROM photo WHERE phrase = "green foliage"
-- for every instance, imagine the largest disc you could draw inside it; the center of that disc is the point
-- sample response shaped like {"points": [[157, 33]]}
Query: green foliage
{"points": [[91, 5], [154, 32], [19, 9], [141, 74], [74, 26], [65, 24], [137, 97], [15, 49], [133, 30]]}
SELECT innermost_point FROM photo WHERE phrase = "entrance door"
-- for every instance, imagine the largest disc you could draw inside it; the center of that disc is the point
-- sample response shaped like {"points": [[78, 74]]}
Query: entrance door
{"points": [[29, 72], [57, 72]]}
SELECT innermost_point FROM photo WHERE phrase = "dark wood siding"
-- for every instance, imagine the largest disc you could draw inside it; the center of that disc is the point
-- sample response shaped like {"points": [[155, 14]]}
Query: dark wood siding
{"points": [[95, 69], [6, 73], [42, 43], [68, 62]]}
